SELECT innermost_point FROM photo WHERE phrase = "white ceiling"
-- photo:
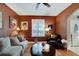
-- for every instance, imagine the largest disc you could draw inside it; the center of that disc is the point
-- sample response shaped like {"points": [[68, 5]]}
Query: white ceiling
{"points": [[30, 8]]}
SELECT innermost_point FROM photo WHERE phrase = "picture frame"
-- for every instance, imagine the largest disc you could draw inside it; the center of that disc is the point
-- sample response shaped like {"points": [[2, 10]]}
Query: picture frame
{"points": [[1, 20], [24, 25], [12, 23]]}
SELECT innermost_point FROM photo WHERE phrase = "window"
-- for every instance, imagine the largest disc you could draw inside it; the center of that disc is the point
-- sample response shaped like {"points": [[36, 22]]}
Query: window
{"points": [[38, 27]]}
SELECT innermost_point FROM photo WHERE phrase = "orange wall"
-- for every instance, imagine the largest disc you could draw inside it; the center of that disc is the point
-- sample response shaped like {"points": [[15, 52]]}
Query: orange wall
{"points": [[48, 20], [61, 20], [9, 12], [6, 13]]}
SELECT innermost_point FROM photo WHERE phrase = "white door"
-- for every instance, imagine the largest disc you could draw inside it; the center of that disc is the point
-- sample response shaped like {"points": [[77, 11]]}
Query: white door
{"points": [[74, 31]]}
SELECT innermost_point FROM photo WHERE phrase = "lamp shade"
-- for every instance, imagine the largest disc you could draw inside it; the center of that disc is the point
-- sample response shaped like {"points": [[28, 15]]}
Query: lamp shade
{"points": [[47, 29], [14, 32], [18, 28]]}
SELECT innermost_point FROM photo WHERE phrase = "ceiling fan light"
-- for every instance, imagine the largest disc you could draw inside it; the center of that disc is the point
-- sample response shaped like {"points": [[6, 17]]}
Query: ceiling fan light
{"points": [[46, 4]]}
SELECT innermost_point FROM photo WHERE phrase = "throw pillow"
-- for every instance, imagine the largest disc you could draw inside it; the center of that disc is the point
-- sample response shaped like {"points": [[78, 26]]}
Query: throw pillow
{"points": [[20, 38], [13, 43], [46, 47], [15, 39]]}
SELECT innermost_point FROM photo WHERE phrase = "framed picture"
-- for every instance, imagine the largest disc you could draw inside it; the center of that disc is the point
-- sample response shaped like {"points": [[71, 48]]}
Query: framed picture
{"points": [[1, 20], [24, 25], [12, 22]]}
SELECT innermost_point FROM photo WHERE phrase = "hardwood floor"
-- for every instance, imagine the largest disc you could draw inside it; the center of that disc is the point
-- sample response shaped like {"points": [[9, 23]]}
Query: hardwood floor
{"points": [[64, 52], [59, 52]]}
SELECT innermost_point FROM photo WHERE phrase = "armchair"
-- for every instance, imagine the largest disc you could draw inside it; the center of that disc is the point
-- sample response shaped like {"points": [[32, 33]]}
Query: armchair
{"points": [[7, 49], [55, 40]]}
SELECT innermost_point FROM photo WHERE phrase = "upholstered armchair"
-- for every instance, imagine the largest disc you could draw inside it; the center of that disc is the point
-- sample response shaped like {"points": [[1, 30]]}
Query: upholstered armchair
{"points": [[55, 40], [7, 49]]}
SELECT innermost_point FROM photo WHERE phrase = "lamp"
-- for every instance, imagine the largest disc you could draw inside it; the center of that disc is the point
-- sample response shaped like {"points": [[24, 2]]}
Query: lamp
{"points": [[47, 29], [18, 29], [50, 26], [47, 33]]}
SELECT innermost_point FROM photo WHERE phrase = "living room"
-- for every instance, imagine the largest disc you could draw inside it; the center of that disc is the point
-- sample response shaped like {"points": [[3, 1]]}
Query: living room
{"points": [[52, 18]]}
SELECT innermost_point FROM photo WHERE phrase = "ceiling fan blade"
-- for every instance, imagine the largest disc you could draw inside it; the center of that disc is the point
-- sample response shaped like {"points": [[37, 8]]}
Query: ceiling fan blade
{"points": [[37, 5], [46, 4]]}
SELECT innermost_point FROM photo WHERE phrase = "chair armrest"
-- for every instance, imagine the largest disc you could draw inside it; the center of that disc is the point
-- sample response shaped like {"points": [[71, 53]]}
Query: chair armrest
{"points": [[14, 50]]}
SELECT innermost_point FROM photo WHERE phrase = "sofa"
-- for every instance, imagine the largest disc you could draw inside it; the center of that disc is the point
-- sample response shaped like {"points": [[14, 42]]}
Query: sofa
{"points": [[19, 41], [7, 50]]}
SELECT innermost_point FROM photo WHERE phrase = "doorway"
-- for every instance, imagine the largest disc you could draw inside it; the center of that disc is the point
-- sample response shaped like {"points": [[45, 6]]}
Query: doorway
{"points": [[73, 32]]}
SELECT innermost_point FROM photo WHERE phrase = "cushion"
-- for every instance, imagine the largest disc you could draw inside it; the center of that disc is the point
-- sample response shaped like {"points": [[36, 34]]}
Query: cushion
{"points": [[46, 47], [15, 39], [5, 42], [20, 38], [13, 42]]}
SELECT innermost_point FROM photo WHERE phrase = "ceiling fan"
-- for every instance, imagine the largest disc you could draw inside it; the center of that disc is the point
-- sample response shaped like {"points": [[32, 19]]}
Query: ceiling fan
{"points": [[46, 4]]}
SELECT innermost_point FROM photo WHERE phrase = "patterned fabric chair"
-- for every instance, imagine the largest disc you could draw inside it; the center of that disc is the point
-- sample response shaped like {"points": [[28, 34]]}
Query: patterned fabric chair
{"points": [[23, 44], [7, 49]]}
